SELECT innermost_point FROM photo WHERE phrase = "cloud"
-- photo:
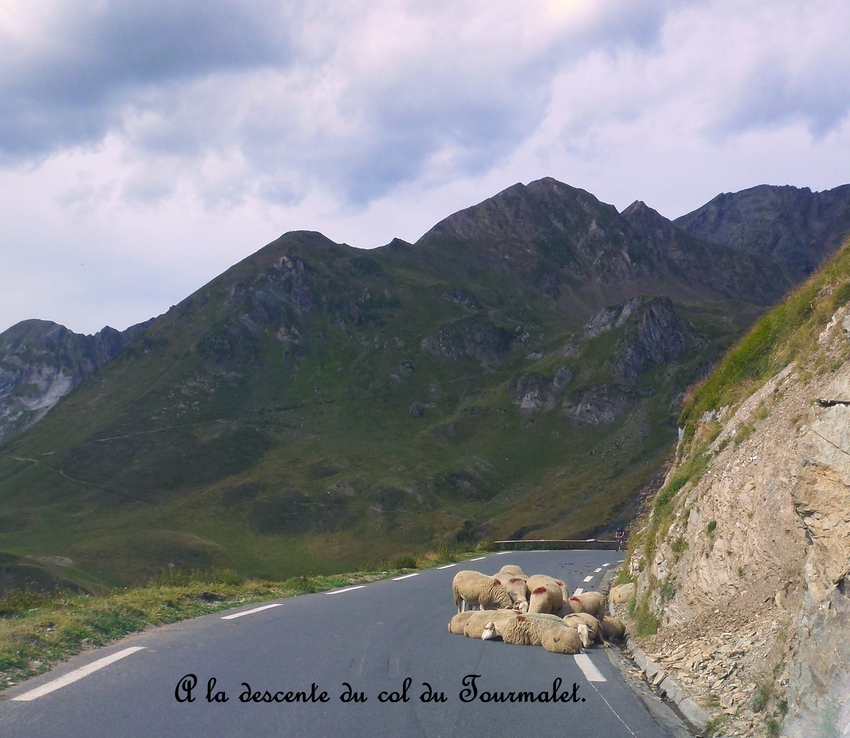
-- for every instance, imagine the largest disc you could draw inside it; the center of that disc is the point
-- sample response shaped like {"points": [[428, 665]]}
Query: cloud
{"points": [[359, 97]]}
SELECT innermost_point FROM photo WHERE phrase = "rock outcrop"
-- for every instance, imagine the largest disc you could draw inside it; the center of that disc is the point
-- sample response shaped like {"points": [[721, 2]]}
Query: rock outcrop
{"points": [[41, 362]]}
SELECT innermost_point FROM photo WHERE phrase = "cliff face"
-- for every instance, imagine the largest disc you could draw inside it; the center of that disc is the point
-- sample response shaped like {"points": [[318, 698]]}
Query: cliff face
{"points": [[745, 559], [41, 362]]}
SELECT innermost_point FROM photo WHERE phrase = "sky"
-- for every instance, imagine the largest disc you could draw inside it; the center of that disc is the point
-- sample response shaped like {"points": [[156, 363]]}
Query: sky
{"points": [[148, 145]]}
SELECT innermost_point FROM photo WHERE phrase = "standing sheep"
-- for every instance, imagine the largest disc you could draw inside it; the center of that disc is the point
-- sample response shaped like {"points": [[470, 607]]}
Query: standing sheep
{"points": [[545, 594], [590, 602], [472, 589], [511, 570]]}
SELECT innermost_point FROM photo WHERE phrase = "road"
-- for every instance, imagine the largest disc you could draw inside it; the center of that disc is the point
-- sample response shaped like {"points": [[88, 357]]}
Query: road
{"points": [[386, 642]]}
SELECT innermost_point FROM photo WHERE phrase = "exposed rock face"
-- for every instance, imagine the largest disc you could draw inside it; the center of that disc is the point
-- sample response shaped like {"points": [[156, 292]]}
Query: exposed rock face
{"points": [[796, 228], [759, 549], [532, 392], [41, 362], [475, 336]]}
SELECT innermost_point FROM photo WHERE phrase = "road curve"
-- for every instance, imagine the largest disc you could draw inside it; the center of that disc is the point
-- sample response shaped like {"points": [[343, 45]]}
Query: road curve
{"points": [[386, 642]]}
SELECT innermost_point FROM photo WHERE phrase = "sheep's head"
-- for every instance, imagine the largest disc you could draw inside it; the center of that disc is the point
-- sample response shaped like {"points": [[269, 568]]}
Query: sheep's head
{"points": [[490, 632], [584, 634], [520, 606]]}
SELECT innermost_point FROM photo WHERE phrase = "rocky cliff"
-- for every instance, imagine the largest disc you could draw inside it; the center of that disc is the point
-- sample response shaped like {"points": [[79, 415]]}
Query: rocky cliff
{"points": [[41, 362], [743, 562]]}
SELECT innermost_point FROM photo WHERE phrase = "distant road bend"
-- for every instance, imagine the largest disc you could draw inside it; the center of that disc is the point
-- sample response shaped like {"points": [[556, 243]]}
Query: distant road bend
{"points": [[354, 661]]}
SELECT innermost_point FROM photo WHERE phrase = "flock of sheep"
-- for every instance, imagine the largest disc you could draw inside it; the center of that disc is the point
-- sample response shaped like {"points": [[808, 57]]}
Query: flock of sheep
{"points": [[530, 611]]}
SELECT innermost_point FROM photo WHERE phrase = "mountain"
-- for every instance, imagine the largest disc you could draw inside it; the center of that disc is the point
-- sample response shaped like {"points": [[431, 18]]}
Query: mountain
{"points": [[515, 372], [41, 362], [795, 227], [743, 560]]}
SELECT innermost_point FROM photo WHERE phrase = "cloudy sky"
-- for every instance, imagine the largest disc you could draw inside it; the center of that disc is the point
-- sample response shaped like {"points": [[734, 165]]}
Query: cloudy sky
{"points": [[147, 145]]}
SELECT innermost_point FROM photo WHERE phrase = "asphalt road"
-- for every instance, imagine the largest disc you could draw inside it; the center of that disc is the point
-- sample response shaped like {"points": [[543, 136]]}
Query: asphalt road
{"points": [[388, 641]]}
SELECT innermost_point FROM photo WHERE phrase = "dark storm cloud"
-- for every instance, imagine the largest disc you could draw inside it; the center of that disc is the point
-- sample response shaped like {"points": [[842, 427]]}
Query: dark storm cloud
{"points": [[67, 80]]}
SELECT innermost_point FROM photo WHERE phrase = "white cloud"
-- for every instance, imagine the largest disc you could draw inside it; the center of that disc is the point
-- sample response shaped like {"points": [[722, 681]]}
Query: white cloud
{"points": [[164, 141]]}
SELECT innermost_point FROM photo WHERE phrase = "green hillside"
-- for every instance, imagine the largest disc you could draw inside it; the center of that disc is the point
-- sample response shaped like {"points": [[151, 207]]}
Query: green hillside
{"points": [[516, 373]]}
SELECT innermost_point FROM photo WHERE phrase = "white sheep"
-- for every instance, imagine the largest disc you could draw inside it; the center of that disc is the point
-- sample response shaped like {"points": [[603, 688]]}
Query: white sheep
{"points": [[590, 602], [472, 589], [511, 570], [480, 619], [538, 629], [587, 624], [613, 629], [544, 594], [518, 590], [457, 623]]}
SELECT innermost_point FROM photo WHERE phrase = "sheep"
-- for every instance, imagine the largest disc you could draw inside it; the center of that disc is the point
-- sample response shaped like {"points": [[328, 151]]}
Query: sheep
{"points": [[538, 629], [518, 591], [474, 589], [613, 629], [511, 570], [457, 623], [587, 625], [545, 594], [590, 602], [475, 626]]}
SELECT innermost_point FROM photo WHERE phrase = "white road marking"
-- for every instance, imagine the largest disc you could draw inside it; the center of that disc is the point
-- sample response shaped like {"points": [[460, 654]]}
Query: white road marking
{"points": [[577, 591], [480, 558], [587, 579], [346, 589], [250, 612], [406, 576], [596, 571], [447, 566], [502, 553], [606, 564], [625, 724], [590, 671], [73, 676]]}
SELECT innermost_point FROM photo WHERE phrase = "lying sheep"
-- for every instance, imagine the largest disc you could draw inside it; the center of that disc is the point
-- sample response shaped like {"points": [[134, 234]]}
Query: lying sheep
{"points": [[591, 630], [480, 619], [544, 594], [472, 589], [613, 629], [590, 602], [457, 623], [538, 629]]}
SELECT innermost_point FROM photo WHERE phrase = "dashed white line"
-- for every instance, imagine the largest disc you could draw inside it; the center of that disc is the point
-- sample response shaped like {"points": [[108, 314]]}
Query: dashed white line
{"points": [[406, 576], [447, 566], [577, 591], [596, 571], [73, 676], [606, 564], [480, 558], [590, 671], [346, 589], [502, 553], [250, 612], [587, 579]]}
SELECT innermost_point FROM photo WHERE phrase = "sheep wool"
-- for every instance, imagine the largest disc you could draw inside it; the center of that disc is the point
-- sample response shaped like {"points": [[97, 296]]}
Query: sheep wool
{"points": [[613, 629], [471, 589], [480, 619], [545, 595], [457, 623], [590, 602], [524, 630]]}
